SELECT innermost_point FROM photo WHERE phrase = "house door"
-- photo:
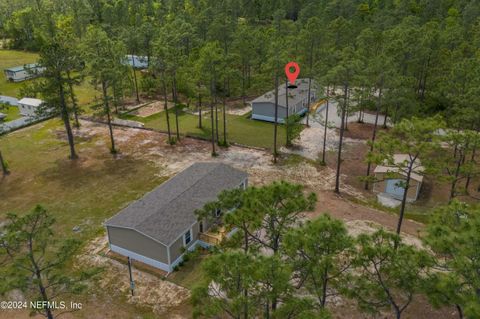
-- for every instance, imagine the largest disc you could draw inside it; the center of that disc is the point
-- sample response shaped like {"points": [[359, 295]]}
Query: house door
{"points": [[394, 188], [201, 227]]}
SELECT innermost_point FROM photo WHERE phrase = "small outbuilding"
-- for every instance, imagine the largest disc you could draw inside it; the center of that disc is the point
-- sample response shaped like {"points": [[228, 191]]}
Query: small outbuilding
{"points": [[391, 178], [263, 107], [23, 72], [136, 61], [29, 106], [158, 228]]}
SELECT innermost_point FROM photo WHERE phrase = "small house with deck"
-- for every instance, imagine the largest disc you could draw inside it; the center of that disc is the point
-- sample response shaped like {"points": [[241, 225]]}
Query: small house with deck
{"points": [[158, 228]]}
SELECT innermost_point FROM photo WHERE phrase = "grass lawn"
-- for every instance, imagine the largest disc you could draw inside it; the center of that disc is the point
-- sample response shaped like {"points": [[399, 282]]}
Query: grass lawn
{"points": [[9, 58], [190, 273], [240, 129], [83, 192], [12, 113]]}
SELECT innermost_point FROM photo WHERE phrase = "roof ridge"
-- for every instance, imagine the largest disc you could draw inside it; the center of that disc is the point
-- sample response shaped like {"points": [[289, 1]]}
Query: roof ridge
{"points": [[184, 191]]}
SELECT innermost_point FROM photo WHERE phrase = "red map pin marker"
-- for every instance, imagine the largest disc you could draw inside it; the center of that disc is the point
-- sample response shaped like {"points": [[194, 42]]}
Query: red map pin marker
{"points": [[292, 76]]}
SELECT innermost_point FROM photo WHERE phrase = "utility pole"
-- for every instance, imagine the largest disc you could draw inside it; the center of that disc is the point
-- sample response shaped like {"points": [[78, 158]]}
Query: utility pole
{"points": [[132, 283]]}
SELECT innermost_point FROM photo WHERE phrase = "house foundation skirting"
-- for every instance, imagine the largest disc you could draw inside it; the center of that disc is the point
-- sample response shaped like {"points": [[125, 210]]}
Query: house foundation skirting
{"points": [[141, 258], [156, 263]]}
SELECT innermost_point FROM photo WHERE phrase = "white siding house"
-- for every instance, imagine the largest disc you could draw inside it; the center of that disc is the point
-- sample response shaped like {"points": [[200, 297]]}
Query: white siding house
{"points": [[263, 107], [23, 72], [136, 61], [28, 106]]}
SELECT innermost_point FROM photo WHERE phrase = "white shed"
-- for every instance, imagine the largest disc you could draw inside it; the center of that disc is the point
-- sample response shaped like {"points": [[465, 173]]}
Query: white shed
{"points": [[28, 106]]}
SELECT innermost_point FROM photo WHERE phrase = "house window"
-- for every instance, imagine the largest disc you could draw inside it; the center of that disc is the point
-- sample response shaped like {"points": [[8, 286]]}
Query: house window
{"points": [[187, 237]]}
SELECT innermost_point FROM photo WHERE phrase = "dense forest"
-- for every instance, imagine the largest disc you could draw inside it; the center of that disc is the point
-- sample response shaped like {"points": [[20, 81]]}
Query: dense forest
{"points": [[416, 61], [423, 54]]}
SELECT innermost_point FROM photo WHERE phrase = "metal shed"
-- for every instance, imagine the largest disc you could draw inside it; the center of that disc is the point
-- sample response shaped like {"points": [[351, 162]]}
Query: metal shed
{"points": [[391, 178]]}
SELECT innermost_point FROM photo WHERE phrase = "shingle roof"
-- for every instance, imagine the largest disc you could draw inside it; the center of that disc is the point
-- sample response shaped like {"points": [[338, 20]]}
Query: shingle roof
{"points": [[294, 95], [168, 211]]}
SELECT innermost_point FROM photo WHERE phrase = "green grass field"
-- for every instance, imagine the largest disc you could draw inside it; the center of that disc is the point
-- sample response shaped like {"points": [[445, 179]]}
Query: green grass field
{"points": [[240, 129], [82, 192], [12, 113], [10, 58]]}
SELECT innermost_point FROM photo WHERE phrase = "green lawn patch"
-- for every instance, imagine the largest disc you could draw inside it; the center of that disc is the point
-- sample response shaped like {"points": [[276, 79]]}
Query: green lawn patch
{"points": [[12, 113], [240, 129], [190, 273], [83, 192], [9, 58]]}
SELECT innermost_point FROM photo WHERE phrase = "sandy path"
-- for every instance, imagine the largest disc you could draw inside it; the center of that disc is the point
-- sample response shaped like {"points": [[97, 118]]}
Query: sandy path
{"points": [[341, 208]]}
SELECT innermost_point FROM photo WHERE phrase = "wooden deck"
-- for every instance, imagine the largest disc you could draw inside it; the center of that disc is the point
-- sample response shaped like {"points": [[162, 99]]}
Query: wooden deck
{"points": [[213, 238]]}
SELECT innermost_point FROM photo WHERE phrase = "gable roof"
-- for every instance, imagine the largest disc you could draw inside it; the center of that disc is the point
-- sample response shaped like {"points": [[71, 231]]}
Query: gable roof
{"points": [[30, 101], [23, 67], [168, 211], [294, 95], [397, 159]]}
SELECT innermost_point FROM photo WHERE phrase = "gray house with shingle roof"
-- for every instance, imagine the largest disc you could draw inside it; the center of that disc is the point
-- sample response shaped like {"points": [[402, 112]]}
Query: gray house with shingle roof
{"points": [[263, 107], [158, 228]]}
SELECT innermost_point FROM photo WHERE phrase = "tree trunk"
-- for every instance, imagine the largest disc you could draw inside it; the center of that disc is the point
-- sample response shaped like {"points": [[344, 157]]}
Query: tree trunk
{"points": [[135, 79], [216, 124], [243, 84], [176, 108], [385, 117], [287, 114], [224, 114], [308, 101], [472, 161], [214, 153], [342, 129], [199, 110], [404, 199], [109, 120], [275, 124], [395, 116], [325, 128], [346, 110], [379, 105], [310, 82], [66, 122], [457, 173], [74, 101], [4, 165], [38, 275], [165, 107], [324, 288], [459, 311]]}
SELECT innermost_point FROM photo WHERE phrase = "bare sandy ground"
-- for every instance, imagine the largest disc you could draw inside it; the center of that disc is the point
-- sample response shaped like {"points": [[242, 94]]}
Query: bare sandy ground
{"points": [[150, 291], [152, 108], [163, 295]]}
